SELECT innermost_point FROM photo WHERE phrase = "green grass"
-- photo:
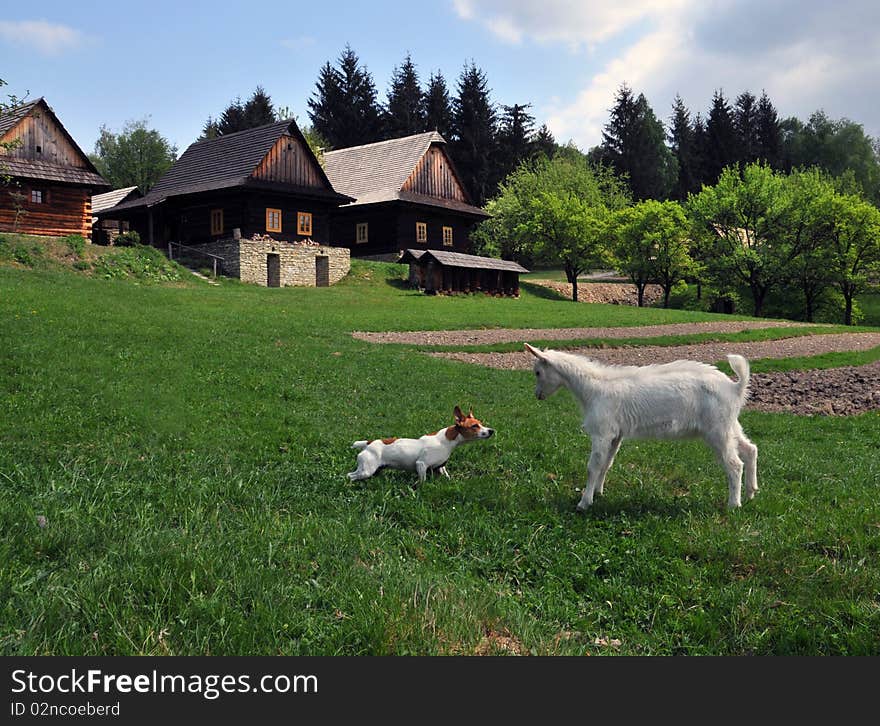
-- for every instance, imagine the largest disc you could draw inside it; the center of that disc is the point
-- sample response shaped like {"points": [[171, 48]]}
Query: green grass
{"points": [[187, 446]]}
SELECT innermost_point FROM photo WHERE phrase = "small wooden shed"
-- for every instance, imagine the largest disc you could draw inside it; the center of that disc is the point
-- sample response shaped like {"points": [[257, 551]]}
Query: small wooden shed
{"points": [[439, 271]]}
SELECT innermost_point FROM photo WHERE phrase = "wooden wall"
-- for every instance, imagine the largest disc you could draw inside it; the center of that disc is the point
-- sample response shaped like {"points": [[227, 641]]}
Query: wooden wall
{"points": [[65, 210], [287, 161], [433, 177], [38, 129]]}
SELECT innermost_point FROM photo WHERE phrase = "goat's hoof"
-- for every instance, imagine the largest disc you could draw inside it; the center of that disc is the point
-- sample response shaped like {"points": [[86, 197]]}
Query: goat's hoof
{"points": [[581, 509]]}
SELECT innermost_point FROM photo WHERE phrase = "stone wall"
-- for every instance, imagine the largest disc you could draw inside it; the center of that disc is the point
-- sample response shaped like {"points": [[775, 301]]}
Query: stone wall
{"points": [[247, 260]]}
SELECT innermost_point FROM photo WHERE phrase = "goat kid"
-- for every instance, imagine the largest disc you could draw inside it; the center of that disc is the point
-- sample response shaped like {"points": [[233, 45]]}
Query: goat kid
{"points": [[676, 400], [428, 453]]}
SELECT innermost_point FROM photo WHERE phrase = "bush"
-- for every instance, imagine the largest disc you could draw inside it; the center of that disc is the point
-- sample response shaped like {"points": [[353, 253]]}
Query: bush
{"points": [[127, 239], [76, 243], [141, 263]]}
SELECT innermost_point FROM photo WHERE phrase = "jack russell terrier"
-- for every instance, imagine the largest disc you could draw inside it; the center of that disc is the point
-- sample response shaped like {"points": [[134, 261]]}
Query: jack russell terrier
{"points": [[428, 453]]}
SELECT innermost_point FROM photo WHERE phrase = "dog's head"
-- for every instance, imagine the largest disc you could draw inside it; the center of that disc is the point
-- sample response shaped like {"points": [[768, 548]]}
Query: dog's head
{"points": [[469, 427], [547, 379]]}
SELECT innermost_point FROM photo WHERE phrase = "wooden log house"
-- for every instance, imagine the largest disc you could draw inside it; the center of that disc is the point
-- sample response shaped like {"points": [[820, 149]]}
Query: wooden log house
{"points": [[407, 194], [263, 181], [49, 181]]}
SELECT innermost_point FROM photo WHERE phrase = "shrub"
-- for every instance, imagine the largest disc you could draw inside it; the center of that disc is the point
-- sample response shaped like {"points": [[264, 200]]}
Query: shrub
{"points": [[141, 263], [127, 239], [76, 243]]}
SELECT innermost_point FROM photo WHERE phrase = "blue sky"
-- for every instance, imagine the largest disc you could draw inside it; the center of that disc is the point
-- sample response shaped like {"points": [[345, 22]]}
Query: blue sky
{"points": [[105, 63]]}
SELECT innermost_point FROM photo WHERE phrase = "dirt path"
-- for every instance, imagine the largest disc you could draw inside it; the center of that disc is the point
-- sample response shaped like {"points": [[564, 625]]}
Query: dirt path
{"points": [[513, 335]]}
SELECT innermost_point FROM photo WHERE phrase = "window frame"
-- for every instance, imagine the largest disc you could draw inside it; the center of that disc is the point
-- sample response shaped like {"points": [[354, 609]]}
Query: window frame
{"points": [[300, 228], [270, 212], [365, 226], [217, 221], [451, 242], [42, 193], [422, 227]]}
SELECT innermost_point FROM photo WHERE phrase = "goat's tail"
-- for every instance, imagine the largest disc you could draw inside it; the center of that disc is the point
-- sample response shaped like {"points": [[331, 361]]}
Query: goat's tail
{"points": [[360, 445], [741, 367]]}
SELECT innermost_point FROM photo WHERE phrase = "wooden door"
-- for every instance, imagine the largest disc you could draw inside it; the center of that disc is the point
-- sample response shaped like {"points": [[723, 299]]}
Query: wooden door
{"points": [[273, 270], [322, 271]]}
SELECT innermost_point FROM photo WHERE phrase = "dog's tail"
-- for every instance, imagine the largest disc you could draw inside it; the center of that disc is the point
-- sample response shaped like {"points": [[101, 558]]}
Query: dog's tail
{"points": [[359, 445], [741, 367]]}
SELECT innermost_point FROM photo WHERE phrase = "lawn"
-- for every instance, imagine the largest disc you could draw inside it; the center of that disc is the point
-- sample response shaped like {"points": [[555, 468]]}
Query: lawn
{"points": [[172, 462]]}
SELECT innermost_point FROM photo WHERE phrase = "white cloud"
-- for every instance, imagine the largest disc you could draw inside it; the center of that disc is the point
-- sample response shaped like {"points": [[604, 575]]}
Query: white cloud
{"points": [[805, 53], [46, 38]]}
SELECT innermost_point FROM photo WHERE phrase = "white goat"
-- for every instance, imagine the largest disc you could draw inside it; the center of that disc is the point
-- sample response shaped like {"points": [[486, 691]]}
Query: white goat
{"points": [[671, 401]]}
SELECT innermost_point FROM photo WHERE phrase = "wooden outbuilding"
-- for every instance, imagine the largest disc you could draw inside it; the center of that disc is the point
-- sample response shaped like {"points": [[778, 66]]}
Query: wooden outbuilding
{"points": [[407, 194], [104, 231], [444, 272], [262, 181], [50, 181]]}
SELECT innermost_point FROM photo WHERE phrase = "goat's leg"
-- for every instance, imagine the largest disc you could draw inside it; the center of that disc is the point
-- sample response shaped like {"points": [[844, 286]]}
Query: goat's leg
{"points": [[615, 447], [726, 447], [422, 471], [748, 452], [596, 468]]}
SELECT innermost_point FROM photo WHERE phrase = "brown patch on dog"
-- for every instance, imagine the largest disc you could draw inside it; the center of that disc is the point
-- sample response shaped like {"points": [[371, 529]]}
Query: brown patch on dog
{"points": [[452, 433], [468, 426], [389, 440]]}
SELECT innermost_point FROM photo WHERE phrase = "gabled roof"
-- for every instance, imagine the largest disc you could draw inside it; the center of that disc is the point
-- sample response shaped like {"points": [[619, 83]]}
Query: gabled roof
{"points": [[459, 259], [375, 173], [46, 170], [228, 161], [104, 201]]}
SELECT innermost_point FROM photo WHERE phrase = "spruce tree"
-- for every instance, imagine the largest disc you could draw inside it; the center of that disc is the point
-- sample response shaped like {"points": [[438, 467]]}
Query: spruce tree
{"points": [[325, 103], [544, 144], [232, 119], [722, 140], [516, 130], [258, 110], [745, 121], [633, 144], [438, 110], [768, 133], [683, 142], [701, 152], [474, 129], [405, 110]]}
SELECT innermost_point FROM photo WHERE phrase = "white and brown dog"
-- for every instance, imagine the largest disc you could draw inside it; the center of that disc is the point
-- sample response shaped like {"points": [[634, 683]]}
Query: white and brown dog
{"points": [[428, 453]]}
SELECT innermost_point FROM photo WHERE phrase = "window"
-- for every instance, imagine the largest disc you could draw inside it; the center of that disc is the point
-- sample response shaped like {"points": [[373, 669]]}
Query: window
{"points": [[304, 223], [273, 220], [421, 232], [447, 236], [216, 221], [36, 196], [361, 233]]}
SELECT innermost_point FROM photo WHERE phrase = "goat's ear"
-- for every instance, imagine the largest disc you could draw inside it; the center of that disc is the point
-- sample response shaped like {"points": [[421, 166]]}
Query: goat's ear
{"points": [[534, 351], [458, 414]]}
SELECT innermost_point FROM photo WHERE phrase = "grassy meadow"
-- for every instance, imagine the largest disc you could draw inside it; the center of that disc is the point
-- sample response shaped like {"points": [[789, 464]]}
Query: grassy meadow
{"points": [[172, 481]]}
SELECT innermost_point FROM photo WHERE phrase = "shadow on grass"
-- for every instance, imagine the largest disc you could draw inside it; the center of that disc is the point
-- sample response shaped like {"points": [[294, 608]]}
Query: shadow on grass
{"points": [[540, 291], [635, 507]]}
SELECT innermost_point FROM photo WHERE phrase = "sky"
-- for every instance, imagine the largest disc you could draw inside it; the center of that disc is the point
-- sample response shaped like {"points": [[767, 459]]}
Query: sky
{"points": [[176, 63]]}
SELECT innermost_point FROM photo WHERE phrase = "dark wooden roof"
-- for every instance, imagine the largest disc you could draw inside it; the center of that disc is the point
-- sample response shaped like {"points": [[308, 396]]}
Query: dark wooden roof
{"points": [[459, 259], [40, 170], [376, 173], [226, 162]]}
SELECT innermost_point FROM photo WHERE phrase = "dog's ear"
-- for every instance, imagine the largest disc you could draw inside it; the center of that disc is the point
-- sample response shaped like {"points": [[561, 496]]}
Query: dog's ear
{"points": [[471, 414], [459, 416], [537, 352]]}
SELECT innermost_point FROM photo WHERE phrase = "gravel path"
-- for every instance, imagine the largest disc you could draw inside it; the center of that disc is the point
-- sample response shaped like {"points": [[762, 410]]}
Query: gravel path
{"points": [[512, 335], [835, 391]]}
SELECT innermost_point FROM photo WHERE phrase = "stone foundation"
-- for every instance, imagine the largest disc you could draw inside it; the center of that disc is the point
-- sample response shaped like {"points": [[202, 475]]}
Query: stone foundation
{"points": [[247, 259]]}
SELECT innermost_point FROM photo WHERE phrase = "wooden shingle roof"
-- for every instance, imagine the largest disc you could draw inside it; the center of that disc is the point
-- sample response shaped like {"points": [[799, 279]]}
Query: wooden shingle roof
{"points": [[100, 202], [225, 162], [40, 169], [376, 173], [459, 259]]}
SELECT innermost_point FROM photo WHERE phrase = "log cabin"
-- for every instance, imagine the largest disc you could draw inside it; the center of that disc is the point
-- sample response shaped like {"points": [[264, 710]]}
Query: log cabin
{"points": [[106, 230], [407, 194], [48, 180], [259, 182], [444, 272]]}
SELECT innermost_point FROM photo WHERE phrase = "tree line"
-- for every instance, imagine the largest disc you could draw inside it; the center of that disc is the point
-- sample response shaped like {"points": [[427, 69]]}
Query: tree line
{"points": [[807, 236]]}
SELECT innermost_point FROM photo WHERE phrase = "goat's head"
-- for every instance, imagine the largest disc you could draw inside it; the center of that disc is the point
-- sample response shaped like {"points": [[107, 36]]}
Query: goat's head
{"points": [[547, 378]]}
